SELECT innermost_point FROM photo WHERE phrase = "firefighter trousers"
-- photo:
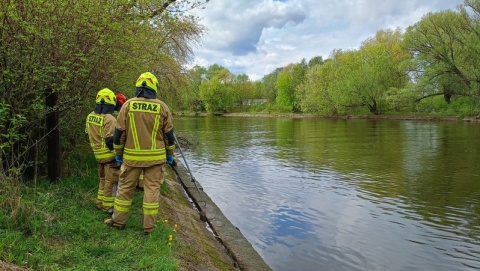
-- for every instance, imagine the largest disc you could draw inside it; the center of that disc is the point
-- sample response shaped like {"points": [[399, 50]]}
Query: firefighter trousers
{"points": [[110, 186], [152, 180], [101, 184]]}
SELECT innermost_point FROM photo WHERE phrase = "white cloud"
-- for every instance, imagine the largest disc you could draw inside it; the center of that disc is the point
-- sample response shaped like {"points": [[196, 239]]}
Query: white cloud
{"points": [[257, 36]]}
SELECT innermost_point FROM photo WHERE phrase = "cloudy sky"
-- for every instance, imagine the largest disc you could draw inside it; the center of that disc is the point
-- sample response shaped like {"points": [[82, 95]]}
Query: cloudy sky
{"points": [[255, 37]]}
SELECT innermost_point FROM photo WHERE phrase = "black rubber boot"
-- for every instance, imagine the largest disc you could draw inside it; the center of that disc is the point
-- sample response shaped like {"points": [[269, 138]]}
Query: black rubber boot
{"points": [[112, 224]]}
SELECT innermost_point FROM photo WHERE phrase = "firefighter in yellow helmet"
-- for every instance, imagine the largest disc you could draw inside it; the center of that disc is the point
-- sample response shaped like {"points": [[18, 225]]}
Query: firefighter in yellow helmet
{"points": [[100, 125], [143, 141]]}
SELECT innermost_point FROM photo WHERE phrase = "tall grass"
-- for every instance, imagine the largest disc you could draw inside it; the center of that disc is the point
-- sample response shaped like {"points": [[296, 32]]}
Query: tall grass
{"points": [[47, 226]]}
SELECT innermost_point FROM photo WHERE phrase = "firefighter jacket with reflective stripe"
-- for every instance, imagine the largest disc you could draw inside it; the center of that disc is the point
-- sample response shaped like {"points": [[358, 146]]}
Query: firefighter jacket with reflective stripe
{"points": [[144, 123], [98, 127]]}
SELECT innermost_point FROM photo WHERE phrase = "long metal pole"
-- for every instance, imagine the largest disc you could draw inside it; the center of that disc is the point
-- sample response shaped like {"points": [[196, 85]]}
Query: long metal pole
{"points": [[189, 171]]}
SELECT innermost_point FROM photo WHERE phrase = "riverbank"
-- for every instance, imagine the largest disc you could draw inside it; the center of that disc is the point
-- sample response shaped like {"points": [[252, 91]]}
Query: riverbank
{"points": [[293, 115], [228, 238], [212, 244]]}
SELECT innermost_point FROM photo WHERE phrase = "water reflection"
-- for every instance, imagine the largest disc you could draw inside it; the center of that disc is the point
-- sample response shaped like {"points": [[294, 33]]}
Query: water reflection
{"points": [[313, 194]]}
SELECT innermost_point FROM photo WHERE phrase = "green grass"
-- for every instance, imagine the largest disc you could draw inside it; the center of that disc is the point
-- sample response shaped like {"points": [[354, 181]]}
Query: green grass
{"points": [[57, 227]]}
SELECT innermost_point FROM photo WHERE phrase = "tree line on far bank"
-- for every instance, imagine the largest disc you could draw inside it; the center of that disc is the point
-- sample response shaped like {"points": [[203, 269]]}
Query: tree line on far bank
{"points": [[431, 68]]}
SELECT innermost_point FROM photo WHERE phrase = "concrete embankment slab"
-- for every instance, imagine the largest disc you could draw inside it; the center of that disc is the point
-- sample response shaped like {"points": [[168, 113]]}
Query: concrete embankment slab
{"points": [[233, 240]]}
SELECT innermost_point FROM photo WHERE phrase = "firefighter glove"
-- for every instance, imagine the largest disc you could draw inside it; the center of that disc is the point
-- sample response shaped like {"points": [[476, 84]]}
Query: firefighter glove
{"points": [[170, 159], [119, 159]]}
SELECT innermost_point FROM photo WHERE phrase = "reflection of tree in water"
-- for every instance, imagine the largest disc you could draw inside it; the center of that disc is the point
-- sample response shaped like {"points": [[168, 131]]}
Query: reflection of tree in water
{"points": [[422, 176], [187, 142], [437, 180]]}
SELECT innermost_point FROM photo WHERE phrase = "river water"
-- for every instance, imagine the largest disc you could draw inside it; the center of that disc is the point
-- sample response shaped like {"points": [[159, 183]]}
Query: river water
{"points": [[337, 194]]}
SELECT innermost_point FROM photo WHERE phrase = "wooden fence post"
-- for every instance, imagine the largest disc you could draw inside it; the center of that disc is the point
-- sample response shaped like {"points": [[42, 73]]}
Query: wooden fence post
{"points": [[53, 138]]}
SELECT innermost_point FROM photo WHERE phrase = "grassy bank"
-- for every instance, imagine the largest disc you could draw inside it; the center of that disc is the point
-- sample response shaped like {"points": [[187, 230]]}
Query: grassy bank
{"points": [[56, 227], [46, 226]]}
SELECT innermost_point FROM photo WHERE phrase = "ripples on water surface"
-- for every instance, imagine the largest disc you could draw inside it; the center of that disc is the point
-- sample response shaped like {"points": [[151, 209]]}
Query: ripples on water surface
{"points": [[313, 194]]}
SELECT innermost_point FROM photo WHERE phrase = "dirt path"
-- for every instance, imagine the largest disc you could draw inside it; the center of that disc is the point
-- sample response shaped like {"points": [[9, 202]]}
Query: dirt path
{"points": [[10, 267]]}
